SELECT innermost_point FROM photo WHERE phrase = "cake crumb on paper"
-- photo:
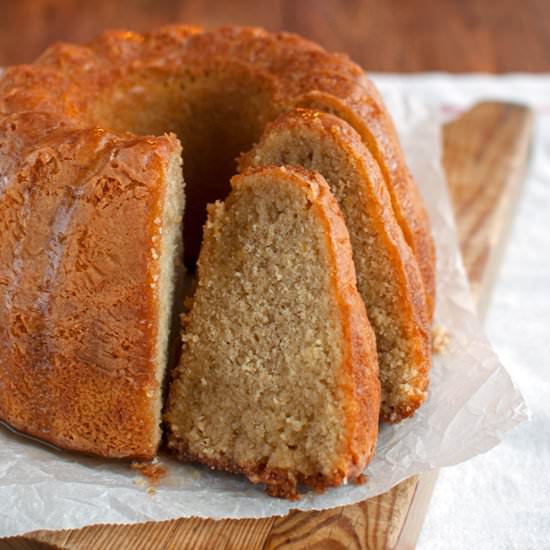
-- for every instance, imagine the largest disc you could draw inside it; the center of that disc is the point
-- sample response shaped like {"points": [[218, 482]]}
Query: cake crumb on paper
{"points": [[152, 473], [361, 479], [440, 339]]}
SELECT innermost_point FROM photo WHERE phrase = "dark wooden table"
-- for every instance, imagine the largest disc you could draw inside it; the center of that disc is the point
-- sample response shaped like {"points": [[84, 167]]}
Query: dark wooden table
{"points": [[381, 35]]}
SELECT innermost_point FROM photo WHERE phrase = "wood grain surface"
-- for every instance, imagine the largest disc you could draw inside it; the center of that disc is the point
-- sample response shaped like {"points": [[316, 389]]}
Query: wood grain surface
{"points": [[485, 189], [485, 157], [381, 35]]}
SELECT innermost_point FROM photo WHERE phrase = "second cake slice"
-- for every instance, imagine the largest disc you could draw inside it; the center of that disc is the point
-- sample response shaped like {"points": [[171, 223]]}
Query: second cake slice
{"points": [[278, 378]]}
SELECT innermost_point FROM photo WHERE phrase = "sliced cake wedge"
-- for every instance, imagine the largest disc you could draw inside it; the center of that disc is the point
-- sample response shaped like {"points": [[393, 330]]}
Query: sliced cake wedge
{"points": [[388, 275], [278, 378]]}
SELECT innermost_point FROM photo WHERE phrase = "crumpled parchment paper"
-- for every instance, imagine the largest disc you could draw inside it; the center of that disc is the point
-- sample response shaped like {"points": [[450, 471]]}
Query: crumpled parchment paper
{"points": [[472, 403]]}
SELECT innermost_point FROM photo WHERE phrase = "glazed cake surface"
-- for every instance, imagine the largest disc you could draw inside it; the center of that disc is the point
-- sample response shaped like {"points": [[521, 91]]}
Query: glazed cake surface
{"points": [[82, 350]]}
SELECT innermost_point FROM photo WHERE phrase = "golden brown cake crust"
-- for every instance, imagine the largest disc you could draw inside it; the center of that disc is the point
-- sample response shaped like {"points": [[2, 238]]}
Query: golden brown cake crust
{"points": [[360, 385], [78, 314]]}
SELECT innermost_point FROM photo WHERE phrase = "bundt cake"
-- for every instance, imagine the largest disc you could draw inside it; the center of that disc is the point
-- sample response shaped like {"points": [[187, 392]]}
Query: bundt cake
{"points": [[91, 192], [388, 277], [216, 91], [278, 377]]}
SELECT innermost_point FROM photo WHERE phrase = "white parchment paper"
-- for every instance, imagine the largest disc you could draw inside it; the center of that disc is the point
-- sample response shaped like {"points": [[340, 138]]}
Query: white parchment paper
{"points": [[500, 499], [472, 403]]}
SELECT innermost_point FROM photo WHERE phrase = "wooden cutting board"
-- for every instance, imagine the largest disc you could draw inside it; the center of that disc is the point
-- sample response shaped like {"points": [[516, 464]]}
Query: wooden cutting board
{"points": [[485, 154]]}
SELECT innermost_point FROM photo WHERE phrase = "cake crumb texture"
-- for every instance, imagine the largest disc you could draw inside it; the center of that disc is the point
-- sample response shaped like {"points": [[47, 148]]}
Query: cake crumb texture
{"points": [[278, 377]]}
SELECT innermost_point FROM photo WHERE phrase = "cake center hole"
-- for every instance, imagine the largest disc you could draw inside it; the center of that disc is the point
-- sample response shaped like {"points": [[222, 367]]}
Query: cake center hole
{"points": [[216, 115]]}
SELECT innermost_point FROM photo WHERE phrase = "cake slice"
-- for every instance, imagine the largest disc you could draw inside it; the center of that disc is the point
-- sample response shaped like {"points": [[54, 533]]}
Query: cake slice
{"points": [[278, 377], [388, 276], [91, 242], [363, 109]]}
